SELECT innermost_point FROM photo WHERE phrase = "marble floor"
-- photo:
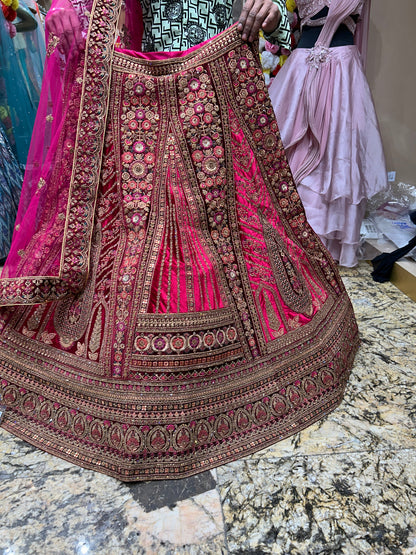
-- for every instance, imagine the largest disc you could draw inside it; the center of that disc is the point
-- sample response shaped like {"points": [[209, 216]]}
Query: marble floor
{"points": [[345, 485]]}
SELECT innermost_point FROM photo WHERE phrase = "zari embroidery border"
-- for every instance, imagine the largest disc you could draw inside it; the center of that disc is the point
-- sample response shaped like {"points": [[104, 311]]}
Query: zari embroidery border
{"points": [[205, 53], [132, 468], [89, 145], [117, 405], [294, 342], [118, 438]]}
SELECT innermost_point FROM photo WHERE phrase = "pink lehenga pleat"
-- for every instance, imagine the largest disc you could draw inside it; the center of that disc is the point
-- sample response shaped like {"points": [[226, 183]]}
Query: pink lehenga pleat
{"points": [[213, 322]]}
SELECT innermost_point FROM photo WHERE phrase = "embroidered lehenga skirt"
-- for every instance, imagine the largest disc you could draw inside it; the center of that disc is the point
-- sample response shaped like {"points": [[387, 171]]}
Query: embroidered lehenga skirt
{"points": [[213, 323]]}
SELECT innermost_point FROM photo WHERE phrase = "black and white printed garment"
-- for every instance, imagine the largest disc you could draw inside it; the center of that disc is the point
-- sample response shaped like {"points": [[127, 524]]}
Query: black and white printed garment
{"points": [[173, 25]]}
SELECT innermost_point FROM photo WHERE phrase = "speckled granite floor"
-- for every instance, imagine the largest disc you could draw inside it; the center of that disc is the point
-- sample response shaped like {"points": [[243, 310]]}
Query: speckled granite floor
{"points": [[345, 485]]}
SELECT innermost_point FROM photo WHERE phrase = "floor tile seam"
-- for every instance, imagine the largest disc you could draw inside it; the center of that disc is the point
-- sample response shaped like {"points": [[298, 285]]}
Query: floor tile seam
{"points": [[358, 451], [224, 524]]}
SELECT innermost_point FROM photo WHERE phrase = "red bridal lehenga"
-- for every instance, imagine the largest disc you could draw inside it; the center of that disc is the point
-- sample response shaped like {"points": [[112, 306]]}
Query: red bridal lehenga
{"points": [[177, 310]]}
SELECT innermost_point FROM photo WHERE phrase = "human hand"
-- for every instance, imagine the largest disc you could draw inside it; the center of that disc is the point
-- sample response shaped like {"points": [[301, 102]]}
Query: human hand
{"points": [[63, 22], [256, 15]]}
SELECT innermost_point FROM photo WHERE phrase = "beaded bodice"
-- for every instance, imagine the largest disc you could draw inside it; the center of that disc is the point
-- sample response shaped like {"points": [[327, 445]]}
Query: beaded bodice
{"points": [[310, 8]]}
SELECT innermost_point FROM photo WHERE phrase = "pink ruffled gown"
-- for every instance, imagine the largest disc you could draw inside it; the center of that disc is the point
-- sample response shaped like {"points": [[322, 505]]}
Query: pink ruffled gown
{"points": [[329, 129]]}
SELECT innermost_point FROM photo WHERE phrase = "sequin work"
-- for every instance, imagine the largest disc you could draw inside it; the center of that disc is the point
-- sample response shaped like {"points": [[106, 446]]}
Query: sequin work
{"points": [[213, 322]]}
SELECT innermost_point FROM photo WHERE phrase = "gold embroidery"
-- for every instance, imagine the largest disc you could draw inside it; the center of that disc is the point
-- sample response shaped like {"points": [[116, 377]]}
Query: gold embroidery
{"points": [[65, 342], [80, 349], [52, 44], [291, 282], [73, 314], [28, 333], [41, 183], [294, 322], [95, 339], [274, 321], [47, 337], [34, 320]]}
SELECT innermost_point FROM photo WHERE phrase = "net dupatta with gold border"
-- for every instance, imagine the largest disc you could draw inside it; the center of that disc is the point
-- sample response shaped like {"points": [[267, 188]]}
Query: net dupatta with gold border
{"points": [[50, 252]]}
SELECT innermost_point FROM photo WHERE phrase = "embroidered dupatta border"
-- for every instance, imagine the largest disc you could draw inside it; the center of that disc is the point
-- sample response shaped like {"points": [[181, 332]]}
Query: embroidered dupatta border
{"points": [[83, 189]]}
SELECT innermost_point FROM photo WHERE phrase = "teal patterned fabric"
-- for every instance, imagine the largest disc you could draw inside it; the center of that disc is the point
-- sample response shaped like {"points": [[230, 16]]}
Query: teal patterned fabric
{"points": [[10, 186], [173, 25]]}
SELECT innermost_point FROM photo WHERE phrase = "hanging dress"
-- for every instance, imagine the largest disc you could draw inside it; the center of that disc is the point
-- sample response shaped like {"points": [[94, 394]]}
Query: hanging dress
{"points": [[177, 310], [329, 129]]}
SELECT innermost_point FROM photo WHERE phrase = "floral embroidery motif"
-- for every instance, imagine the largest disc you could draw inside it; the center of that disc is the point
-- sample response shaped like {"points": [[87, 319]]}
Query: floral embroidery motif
{"points": [[319, 55]]}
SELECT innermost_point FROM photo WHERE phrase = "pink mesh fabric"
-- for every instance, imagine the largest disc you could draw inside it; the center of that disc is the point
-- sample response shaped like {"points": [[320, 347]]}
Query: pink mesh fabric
{"points": [[49, 256]]}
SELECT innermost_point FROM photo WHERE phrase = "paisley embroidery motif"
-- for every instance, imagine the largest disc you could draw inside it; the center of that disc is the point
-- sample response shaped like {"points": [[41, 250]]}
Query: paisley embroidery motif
{"points": [[291, 283]]}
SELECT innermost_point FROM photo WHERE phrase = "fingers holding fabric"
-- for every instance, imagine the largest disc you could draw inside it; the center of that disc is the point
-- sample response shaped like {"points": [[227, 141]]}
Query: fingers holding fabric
{"points": [[63, 23], [256, 15]]}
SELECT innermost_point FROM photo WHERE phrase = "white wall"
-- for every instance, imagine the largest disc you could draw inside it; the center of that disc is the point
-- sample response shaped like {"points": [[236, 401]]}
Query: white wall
{"points": [[391, 72]]}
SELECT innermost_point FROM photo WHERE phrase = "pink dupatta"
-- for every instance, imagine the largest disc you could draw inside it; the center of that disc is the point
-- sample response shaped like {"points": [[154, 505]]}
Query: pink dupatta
{"points": [[50, 252]]}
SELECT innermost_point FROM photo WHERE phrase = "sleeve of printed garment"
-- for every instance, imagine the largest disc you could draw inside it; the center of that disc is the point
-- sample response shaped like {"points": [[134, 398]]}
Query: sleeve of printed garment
{"points": [[281, 35]]}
